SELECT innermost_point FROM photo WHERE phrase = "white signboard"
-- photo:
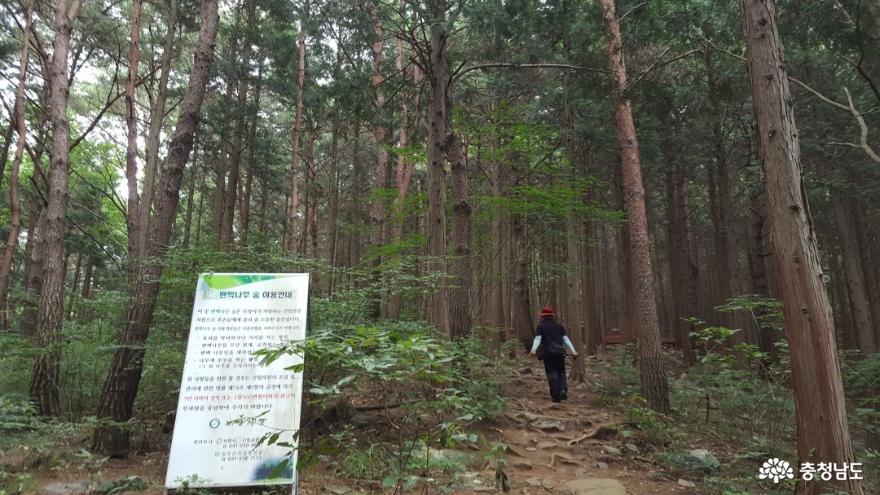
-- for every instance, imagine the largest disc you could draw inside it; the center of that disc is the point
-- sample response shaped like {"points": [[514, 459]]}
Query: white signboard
{"points": [[234, 315]]}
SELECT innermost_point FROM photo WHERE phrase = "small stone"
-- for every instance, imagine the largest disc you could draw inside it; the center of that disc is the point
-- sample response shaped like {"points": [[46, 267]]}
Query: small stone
{"points": [[71, 488], [535, 482], [686, 483], [699, 461], [632, 448], [521, 464], [566, 459], [594, 486], [612, 450], [602, 465], [548, 424], [339, 489]]}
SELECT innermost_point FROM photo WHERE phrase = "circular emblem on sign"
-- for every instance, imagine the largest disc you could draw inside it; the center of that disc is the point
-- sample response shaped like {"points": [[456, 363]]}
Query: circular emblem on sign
{"points": [[215, 423]]}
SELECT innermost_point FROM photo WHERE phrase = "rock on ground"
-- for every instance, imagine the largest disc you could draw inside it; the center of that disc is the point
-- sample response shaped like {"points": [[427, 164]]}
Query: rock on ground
{"points": [[70, 488], [594, 486]]}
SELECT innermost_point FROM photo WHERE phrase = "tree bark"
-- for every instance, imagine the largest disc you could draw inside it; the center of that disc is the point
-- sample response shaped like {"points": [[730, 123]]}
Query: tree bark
{"points": [[758, 262], [653, 379], [34, 255], [624, 292], [121, 387], [822, 427], [296, 135], [521, 300], [190, 202], [460, 303], [500, 253], [44, 385], [131, 149], [333, 199], [438, 303], [7, 142], [157, 116], [683, 267], [575, 301], [227, 235], [14, 203], [718, 182], [404, 169], [869, 263], [312, 200], [377, 209], [855, 276], [245, 216]]}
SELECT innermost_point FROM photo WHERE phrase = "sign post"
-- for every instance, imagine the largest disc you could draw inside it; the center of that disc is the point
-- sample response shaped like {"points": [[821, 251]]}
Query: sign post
{"points": [[228, 399]]}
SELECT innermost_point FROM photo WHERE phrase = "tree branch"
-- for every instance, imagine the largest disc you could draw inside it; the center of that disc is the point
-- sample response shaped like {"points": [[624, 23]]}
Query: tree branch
{"points": [[501, 65], [657, 65], [863, 127]]}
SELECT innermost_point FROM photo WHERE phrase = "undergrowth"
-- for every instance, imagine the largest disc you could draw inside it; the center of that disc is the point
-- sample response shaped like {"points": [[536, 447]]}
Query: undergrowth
{"points": [[736, 403]]}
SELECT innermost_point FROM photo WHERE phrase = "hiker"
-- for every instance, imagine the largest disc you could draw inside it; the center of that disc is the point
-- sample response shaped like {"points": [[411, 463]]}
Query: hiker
{"points": [[550, 337]]}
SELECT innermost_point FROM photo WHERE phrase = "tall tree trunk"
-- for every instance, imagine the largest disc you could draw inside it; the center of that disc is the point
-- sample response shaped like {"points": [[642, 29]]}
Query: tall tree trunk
{"points": [[333, 204], [190, 201], [157, 116], [131, 149], [460, 303], [404, 169], [245, 216], [681, 262], [333, 199], [296, 135], [312, 201], [870, 264], [855, 276], [848, 339], [758, 254], [575, 301], [227, 235], [719, 199], [624, 292], [121, 387], [355, 209], [7, 142], [200, 211], [499, 254], [86, 292], [377, 48], [822, 427], [438, 303], [654, 384], [14, 203], [34, 256], [521, 300], [44, 385], [594, 281]]}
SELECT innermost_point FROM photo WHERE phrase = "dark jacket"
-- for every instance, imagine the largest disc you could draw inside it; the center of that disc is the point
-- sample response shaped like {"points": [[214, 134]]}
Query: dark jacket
{"points": [[551, 336]]}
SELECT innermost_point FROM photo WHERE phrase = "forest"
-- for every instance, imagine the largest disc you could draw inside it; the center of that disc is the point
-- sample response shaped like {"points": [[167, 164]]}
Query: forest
{"points": [[687, 184]]}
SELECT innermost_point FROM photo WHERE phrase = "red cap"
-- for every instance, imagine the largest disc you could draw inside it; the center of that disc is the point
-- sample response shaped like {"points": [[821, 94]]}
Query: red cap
{"points": [[548, 311]]}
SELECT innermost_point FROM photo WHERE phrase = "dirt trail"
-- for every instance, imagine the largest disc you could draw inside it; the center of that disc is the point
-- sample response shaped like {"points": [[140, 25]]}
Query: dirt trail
{"points": [[551, 444], [573, 447]]}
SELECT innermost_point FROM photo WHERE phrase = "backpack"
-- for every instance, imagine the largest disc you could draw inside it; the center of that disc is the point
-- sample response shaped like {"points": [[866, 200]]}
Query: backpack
{"points": [[552, 348]]}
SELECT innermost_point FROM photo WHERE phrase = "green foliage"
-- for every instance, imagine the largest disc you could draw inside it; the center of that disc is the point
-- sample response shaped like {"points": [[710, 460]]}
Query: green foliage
{"points": [[861, 379], [17, 415], [430, 389]]}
